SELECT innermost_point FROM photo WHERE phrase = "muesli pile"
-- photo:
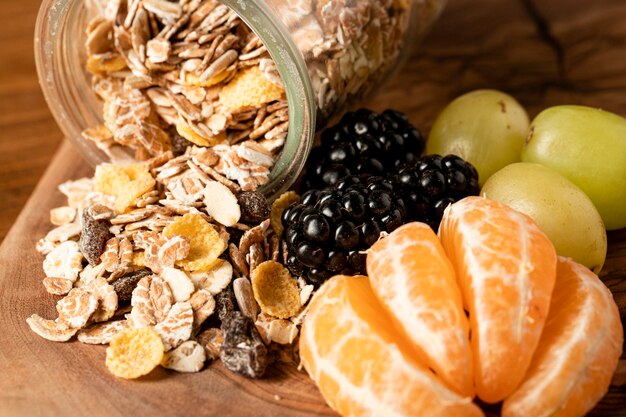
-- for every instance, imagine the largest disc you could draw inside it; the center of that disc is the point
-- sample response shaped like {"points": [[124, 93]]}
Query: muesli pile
{"points": [[170, 247], [174, 74]]}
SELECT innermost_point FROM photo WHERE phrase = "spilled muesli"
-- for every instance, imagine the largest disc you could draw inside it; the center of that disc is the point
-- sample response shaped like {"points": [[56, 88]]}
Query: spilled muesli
{"points": [[170, 247]]}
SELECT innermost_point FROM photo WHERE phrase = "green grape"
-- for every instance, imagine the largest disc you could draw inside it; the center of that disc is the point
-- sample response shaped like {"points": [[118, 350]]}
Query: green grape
{"points": [[560, 209], [588, 147], [484, 127]]}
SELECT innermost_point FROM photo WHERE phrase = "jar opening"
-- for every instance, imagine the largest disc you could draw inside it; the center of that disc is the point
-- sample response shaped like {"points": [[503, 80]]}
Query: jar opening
{"points": [[66, 77]]}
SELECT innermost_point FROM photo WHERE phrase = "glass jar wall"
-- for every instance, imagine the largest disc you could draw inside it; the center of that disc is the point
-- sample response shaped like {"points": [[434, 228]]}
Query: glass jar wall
{"points": [[327, 54]]}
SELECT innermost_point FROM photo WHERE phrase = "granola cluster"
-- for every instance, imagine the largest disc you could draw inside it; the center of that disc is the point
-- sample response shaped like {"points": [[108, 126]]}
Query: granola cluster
{"points": [[172, 246], [172, 74]]}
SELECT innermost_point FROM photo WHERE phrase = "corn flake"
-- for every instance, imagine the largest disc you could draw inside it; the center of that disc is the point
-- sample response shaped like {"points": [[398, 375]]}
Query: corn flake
{"points": [[275, 290], [250, 87], [279, 205], [125, 183], [205, 243], [134, 352]]}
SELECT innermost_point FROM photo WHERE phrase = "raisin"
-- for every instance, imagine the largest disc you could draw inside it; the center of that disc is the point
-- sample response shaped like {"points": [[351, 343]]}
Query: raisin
{"points": [[94, 237], [243, 350], [254, 207], [179, 143], [125, 285], [225, 303]]}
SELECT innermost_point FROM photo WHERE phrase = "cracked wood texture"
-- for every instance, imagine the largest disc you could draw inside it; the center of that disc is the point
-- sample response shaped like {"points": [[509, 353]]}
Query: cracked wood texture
{"points": [[544, 53]]}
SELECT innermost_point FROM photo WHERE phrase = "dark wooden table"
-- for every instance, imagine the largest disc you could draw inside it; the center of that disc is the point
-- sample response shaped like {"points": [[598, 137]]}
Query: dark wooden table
{"points": [[543, 52]]}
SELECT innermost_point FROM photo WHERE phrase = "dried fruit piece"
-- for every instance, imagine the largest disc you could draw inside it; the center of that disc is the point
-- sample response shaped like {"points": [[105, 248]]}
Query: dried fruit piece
{"points": [[49, 329], [203, 305], [76, 308], [125, 183], [125, 285], [245, 297], [181, 286], [254, 207], [250, 88], [101, 333], [211, 339], [64, 261], [243, 350], [188, 357], [216, 279], [134, 352], [221, 203], [205, 243], [177, 326], [94, 236], [225, 303], [275, 290], [57, 286], [279, 205]]}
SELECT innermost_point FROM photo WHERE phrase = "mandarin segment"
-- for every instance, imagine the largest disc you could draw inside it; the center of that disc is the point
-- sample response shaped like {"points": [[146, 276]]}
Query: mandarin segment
{"points": [[506, 268], [362, 365], [416, 283], [578, 352]]}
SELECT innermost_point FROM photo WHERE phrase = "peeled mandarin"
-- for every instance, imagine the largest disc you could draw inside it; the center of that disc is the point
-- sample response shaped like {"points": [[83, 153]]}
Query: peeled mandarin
{"points": [[416, 284], [362, 365], [506, 268], [578, 351]]}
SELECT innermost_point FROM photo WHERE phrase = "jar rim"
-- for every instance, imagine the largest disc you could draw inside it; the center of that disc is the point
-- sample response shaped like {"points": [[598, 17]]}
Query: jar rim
{"points": [[49, 34]]}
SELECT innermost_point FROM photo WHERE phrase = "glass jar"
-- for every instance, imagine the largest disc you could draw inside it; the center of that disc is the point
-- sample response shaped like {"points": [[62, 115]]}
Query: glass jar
{"points": [[328, 53]]}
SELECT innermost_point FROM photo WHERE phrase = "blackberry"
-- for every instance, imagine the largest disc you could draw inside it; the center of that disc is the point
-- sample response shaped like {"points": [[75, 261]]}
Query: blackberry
{"points": [[329, 230], [363, 142]]}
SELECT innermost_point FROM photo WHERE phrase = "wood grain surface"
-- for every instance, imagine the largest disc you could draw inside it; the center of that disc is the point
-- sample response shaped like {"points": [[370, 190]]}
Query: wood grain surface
{"points": [[544, 53]]}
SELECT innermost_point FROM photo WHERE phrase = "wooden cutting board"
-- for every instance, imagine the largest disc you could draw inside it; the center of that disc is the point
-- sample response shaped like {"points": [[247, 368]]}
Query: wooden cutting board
{"points": [[559, 51]]}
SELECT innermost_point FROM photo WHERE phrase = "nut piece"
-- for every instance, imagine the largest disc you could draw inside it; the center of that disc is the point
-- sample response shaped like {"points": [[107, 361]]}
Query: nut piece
{"points": [[182, 287], [279, 205], [49, 329], [221, 203], [275, 290], [177, 326], [188, 357], [134, 352], [245, 297]]}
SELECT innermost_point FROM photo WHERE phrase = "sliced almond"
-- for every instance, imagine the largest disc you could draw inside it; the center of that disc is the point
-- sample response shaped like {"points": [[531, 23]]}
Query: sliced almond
{"points": [[181, 285], [221, 203]]}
